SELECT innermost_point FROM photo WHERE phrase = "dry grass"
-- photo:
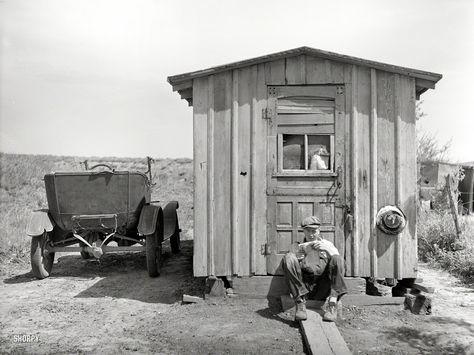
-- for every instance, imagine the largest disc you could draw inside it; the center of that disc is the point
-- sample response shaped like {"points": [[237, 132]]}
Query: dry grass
{"points": [[22, 190], [439, 245]]}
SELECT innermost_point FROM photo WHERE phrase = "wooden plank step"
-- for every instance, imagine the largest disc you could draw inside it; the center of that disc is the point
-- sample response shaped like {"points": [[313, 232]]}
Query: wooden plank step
{"points": [[275, 286], [320, 337], [423, 288], [288, 304]]}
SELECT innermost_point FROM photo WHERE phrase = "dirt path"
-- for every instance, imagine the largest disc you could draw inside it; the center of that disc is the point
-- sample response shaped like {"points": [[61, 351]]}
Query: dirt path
{"points": [[392, 330], [113, 307]]}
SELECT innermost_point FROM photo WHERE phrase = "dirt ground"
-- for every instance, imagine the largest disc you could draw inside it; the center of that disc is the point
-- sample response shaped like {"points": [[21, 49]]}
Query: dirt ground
{"points": [[113, 307]]}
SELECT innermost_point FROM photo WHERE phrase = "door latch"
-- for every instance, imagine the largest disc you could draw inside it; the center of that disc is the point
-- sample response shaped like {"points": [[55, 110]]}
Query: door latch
{"points": [[266, 113]]}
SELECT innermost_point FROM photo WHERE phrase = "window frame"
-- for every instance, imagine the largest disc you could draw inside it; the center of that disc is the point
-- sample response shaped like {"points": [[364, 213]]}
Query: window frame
{"points": [[306, 171]]}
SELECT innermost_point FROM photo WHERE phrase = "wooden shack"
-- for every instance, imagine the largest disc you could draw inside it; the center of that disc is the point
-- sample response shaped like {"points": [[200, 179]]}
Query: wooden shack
{"points": [[298, 133]]}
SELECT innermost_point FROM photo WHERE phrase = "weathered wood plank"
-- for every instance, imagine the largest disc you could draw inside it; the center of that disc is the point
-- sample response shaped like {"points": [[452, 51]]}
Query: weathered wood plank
{"points": [[210, 177], [260, 286], [322, 337], [221, 177], [288, 304], [200, 111], [408, 242], [362, 156], [354, 172], [246, 93], [348, 257], [295, 71], [324, 92], [314, 129], [373, 171], [310, 118], [235, 171], [316, 72], [337, 163], [386, 168], [254, 142], [260, 175], [185, 85], [423, 288], [398, 171], [275, 72]]}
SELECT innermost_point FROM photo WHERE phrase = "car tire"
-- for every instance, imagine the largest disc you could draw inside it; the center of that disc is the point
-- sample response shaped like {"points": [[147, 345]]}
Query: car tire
{"points": [[85, 255], [153, 254], [41, 261], [175, 241]]}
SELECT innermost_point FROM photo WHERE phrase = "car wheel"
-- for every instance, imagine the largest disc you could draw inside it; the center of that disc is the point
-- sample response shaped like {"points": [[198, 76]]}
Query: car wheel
{"points": [[41, 260], [153, 254], [175, 239], [85, 255]]}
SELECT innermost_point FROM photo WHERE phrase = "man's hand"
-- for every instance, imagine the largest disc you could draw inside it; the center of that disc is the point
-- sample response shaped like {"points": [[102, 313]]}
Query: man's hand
{"points": [[327, 246]]}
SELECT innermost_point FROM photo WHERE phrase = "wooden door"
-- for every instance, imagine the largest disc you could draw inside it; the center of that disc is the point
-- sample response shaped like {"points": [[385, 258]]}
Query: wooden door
{"points": [[305, 166]]}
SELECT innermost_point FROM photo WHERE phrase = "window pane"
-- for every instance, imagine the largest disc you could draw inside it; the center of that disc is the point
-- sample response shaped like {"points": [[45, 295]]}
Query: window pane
{"points": [[319, 152], [293, 151]]}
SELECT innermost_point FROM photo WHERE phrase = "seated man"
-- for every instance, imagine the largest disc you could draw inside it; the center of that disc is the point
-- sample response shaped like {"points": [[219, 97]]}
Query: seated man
{"points": [[315, 266]]}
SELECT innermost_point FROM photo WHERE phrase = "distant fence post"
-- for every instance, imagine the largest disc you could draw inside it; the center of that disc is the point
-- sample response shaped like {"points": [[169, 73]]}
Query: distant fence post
{"points": [[452, 203]]}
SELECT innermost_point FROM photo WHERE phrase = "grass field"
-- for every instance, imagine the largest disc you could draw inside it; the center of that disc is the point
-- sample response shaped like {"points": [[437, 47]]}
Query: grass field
{"points": [[22, 191]]}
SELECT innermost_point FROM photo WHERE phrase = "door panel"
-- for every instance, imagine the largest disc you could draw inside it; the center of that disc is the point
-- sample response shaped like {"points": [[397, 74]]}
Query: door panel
{"points": [[305, 166]]}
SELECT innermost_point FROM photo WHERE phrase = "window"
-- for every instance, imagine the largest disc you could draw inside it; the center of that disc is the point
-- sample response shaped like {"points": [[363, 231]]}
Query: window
{"points": [[305, 129]]}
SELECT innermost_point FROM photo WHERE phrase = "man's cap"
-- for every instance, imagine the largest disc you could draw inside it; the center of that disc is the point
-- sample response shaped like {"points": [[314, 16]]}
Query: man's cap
{"points": [[311, 222]]}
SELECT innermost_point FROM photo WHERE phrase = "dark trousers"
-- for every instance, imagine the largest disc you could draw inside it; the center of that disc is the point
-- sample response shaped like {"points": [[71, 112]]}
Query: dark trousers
{"points": [[329, 284]]}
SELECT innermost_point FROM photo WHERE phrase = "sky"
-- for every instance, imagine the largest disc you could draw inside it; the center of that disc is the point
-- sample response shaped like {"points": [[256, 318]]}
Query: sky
{"points": [[88, 78]]}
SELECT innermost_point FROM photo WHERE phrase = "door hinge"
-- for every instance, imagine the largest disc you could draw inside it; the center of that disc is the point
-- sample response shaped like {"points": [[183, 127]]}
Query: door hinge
{"points": [[264, 249], [266, 113]]}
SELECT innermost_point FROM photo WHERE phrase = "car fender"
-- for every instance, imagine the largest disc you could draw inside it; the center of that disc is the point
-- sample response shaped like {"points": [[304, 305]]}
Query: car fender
{"points": [[170, 218], [150, 215], [39, 223]]}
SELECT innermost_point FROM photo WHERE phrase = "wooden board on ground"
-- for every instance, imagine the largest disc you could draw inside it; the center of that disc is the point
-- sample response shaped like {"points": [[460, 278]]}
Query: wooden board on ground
{"points": [[288, 304], [320, 337], [423, 288]]}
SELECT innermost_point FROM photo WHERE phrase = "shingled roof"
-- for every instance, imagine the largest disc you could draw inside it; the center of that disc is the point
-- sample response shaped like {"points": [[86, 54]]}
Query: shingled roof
{"points": [[183, 83]]}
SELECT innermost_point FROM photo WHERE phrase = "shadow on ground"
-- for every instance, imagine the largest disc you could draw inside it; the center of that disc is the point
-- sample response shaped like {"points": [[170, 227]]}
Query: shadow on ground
{"points": [[124, 275], [439, 341]]}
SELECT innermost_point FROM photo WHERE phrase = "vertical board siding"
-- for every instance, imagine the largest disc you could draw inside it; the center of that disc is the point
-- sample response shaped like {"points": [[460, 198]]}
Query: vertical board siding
{"points": [[259, 181], [354, 169], [386, 167], [246, 93], [235, 171], [348, 257], [373, 171], [275, 72], [408, 194], [210, 176], [234, 146], [200, 108], [362, 171], [221, 178], [323, 71], [295, 70]]}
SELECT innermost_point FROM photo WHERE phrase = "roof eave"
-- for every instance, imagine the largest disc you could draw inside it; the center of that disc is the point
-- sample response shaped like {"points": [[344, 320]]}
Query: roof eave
{"points": [[424, 80]]}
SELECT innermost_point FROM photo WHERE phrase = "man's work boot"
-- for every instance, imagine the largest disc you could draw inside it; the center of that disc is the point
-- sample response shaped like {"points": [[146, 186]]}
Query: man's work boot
{"points": [[300, 311], [331, 312]]}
